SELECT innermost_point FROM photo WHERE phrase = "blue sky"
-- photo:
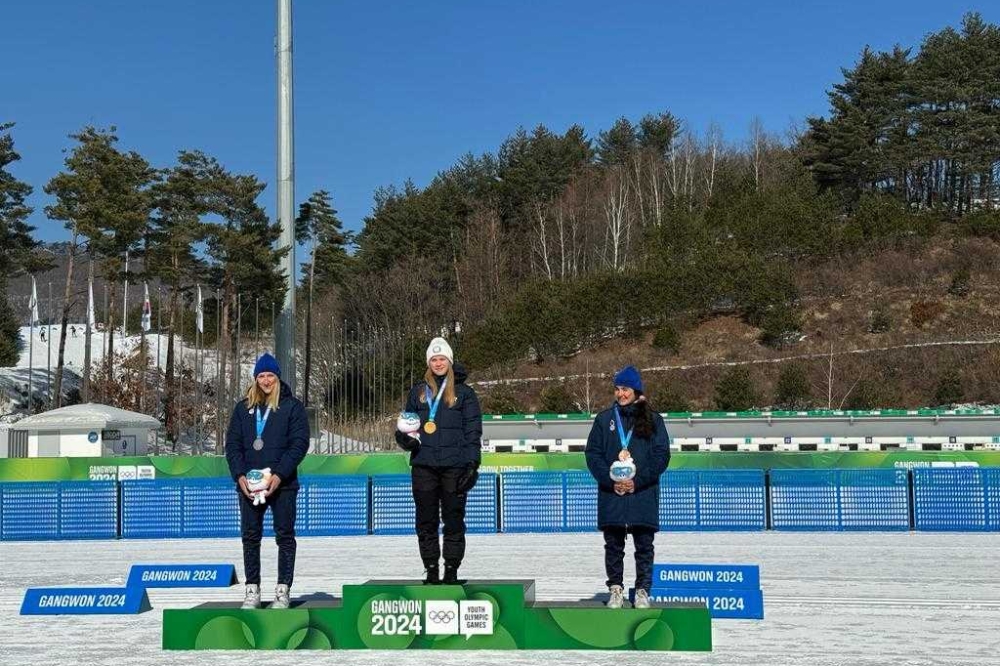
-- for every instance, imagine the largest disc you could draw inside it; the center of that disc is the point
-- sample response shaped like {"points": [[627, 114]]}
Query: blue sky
{"points": [[389, 91]]}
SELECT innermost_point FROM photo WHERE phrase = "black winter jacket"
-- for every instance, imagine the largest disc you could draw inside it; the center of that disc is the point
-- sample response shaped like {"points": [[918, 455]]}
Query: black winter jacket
{"points": [[457, 442], [651, 457], [286, 439]]}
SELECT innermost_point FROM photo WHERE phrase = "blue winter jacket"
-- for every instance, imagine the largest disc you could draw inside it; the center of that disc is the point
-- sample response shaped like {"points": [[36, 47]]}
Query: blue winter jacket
{"points": [[457, 442], [651, 456], [286, 439]]}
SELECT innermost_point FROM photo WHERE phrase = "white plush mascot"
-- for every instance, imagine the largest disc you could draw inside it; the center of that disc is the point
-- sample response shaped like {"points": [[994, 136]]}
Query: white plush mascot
{"points": [[257, 480], [408, 423]]}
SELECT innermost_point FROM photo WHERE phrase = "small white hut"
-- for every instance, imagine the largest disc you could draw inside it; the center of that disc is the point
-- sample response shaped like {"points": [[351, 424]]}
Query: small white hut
{"points": [[88, 430]]}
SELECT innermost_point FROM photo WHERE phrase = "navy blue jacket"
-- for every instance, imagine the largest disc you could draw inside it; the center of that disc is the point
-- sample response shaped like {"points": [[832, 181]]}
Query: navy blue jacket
{"points": [[457, 442], [286, 439], [651, 457]]}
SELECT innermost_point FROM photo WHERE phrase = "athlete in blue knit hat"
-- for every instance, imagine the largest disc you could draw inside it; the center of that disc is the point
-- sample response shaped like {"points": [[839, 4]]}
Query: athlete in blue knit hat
{"points": [[268, 432], [627, 451]]}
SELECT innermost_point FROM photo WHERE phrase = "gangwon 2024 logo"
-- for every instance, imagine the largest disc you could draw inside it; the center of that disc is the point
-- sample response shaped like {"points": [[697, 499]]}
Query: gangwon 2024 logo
{"points": [[392, 617]]}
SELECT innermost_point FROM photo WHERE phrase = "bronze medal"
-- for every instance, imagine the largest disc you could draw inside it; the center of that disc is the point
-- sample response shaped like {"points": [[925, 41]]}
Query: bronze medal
{"points": [[624, 455], [430, 428]]}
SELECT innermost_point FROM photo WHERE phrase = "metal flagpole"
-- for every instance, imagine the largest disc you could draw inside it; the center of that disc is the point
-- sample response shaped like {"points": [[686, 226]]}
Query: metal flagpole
{"points": [[48, 336], [33, 305], [159, 309], [180, 375], [125, 305], [343, 373], [199, 371], [145, 324], [285, 344], [335, 396], [198, 391], [219, 407], [88, 336], [239, 342], [104, 348]]}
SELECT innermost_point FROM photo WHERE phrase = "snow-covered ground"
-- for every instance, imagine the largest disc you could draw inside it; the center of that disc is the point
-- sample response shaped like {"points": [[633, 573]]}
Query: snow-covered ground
{"points": [[868, 599], [42, 358], [76, 347]]}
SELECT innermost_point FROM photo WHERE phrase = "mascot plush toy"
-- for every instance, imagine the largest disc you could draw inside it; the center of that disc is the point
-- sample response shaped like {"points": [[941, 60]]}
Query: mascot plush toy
{"points": [[408, 423], [258, 479]]}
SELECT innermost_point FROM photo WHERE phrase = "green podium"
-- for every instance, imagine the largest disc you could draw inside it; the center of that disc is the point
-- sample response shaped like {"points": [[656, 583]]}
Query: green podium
{"points": [[398, 615]]}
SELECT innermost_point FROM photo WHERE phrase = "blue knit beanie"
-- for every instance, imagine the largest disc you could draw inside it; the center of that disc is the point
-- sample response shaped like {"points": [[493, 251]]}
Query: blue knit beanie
{"points": [[629, 378], [267, 363]]}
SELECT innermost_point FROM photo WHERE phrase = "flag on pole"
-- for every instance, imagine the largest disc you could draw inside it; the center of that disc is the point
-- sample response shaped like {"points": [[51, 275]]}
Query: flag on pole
{"points": [[125, 300], [91, 320], [147, 309], [200, 313], [33, 303]]}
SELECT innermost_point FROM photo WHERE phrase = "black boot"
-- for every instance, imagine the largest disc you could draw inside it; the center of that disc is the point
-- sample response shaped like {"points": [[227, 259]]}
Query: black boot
{"points": [[451, 572], [433, 573]]}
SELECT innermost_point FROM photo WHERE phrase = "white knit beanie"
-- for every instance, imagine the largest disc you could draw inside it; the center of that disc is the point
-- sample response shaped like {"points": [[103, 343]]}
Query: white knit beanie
{"points": [[440, 347]]}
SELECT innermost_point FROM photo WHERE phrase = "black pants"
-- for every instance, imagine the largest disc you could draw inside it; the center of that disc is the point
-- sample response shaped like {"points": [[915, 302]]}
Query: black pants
{"points": [[283, 507], [438, 500], [614, 555]]}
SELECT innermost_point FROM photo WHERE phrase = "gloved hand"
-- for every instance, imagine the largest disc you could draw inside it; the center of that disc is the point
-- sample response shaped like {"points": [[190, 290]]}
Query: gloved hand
{"points": [[467, 479], [406, 442]]}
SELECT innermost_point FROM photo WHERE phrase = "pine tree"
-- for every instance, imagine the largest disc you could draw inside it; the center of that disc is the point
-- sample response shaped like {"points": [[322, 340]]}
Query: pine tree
{"points": [[617, 145], [103, 195], [949, 391], [242, 262], [319, 225], [180, 199], [792, 391], [734, 391], [16, 242]]}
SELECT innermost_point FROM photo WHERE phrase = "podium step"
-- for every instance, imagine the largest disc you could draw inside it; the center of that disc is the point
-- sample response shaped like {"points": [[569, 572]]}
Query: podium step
{"points": [[405, 614]]}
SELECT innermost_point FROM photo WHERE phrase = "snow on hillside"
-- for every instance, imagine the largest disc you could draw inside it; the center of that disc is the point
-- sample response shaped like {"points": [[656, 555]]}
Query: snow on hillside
{"points": [[44, 353]]}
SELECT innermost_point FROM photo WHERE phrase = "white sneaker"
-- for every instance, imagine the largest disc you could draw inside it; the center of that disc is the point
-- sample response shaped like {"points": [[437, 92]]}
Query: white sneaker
{"points": [[641, 599], [617, 598], [281, 599], [252, 598]]}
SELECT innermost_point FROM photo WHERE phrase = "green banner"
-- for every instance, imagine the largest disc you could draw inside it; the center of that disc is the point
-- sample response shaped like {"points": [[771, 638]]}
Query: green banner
{"points": [[404, 615], [165, 467]]}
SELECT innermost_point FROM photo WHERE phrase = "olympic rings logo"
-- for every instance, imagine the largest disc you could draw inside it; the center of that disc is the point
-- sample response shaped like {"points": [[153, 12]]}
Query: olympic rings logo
{"points": [[440, 617]]}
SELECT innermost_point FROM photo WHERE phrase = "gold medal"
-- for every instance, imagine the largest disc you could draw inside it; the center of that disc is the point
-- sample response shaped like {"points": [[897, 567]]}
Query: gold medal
{"points": [[624, 455], [430, 428]]}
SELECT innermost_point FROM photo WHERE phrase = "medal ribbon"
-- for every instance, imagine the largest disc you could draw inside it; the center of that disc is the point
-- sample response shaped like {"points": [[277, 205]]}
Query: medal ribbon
{"points": [[624, 438], [261, 421], [437, 400]]}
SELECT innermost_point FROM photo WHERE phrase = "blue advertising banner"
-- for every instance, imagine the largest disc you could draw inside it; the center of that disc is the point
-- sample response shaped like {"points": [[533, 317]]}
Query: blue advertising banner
{"points": [[84, 601], [706, 575], [181, 575], [728, 603]]}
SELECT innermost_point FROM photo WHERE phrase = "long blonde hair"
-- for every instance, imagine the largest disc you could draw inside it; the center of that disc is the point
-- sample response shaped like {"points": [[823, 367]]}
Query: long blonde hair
{"points": [[449, 389], [257, 397]]}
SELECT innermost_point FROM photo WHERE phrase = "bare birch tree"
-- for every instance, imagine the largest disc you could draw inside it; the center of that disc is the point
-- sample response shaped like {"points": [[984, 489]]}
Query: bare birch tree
{"points": [[617, 218]]}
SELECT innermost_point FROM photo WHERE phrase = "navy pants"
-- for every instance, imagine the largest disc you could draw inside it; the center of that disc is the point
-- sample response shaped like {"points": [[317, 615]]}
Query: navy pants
{"points": [[438, 501], [282, 504], [614, 555]]}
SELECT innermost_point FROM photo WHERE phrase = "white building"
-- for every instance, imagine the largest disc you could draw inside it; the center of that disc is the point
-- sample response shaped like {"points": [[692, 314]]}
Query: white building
{"points": [[88, 430]]}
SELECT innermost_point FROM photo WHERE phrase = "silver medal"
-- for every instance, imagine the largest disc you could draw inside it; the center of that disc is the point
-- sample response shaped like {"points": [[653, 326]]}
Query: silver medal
{"points": [[258, 444]]}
